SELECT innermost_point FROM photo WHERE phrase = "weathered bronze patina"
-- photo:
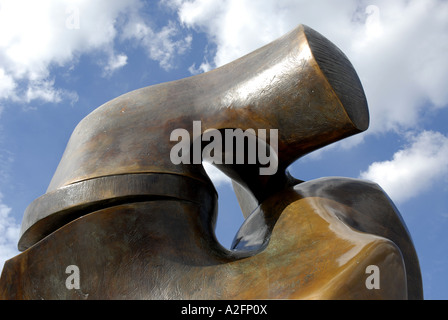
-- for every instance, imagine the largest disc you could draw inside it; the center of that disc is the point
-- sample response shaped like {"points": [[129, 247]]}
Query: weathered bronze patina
{"points": [[140, 227]]}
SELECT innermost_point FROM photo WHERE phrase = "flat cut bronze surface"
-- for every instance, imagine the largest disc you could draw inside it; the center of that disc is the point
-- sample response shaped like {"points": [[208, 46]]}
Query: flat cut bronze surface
{"points": [[140, 227]]}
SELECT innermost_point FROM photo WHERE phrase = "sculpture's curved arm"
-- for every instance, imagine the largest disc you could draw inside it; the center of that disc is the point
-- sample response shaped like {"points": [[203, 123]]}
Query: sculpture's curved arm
{"points": [[300, 84]]}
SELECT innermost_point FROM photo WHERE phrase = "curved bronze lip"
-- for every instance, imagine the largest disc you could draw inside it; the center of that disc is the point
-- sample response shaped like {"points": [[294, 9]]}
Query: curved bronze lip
{"points": [[53, 210]]}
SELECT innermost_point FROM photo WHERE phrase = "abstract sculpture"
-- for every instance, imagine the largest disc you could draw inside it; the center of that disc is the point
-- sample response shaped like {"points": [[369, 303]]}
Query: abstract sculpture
{"points": [[128, 222]]}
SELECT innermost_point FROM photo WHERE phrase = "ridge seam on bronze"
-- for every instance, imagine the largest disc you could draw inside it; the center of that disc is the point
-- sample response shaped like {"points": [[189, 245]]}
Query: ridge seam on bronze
{"points": [[69, 203]]}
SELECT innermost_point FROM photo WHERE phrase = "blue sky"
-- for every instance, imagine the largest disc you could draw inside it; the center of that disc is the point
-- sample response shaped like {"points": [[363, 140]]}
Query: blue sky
{"points": [[60, 60]]}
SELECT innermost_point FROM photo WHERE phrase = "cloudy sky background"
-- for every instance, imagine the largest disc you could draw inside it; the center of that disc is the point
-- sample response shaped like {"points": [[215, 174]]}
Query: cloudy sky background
{"points": [[59, 60]]}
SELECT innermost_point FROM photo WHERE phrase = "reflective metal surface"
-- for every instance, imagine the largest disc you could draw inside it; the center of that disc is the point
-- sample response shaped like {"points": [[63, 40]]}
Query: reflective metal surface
{"points": [[139, 226]]}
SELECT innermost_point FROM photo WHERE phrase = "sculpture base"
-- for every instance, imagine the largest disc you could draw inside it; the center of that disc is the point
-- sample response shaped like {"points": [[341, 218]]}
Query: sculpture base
{"points": [[166, 249]]}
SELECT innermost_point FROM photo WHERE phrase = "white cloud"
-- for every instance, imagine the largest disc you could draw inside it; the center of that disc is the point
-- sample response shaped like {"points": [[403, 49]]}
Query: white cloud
{"points": [[44, 90], [203, 67], [413, 169], [7, 84], [115, 62], [398, 47], [9, 231], [37, 36], [240, 26], [160, 46], [404, 69]]}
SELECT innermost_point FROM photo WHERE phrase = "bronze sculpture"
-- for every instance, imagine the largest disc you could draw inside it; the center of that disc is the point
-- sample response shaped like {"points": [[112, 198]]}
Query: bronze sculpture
{"points": [[138, 226]]}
